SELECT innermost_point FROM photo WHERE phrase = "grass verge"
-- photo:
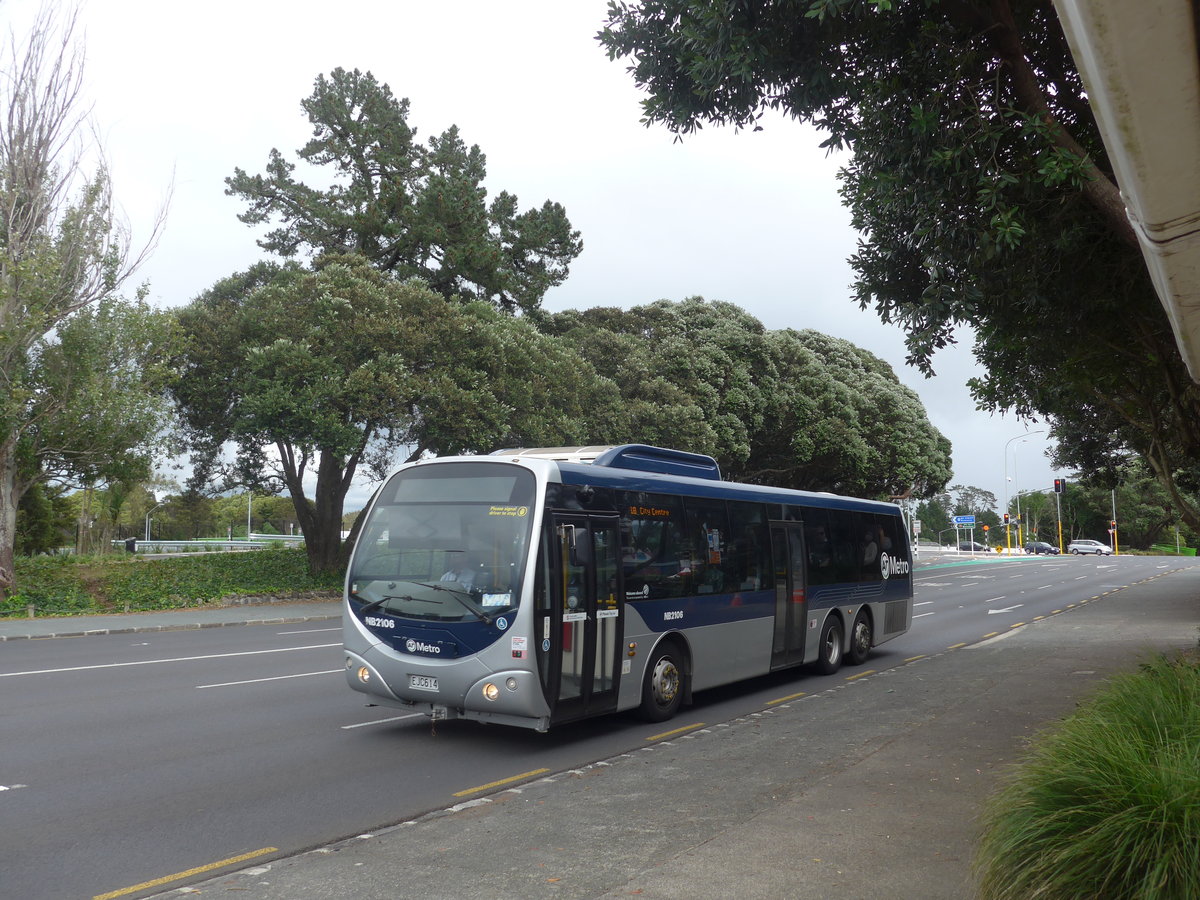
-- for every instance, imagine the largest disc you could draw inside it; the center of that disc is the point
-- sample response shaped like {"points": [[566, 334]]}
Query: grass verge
{"points": [[1107, 803]]}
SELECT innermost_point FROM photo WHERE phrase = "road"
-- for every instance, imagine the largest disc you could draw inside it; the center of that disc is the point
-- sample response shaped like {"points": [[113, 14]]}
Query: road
{"points": [[132, 758]]}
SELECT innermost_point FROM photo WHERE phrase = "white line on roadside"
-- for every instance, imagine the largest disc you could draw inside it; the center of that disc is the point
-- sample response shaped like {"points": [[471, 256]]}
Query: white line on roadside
{"points": [[201, 687], [151, 662], [382, 721], [993, 598], [924, 603], [311, 630], [923, 615]]}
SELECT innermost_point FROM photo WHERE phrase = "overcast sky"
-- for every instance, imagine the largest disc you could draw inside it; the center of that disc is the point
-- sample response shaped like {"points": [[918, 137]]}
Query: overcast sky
{"points": [[184, 93]]}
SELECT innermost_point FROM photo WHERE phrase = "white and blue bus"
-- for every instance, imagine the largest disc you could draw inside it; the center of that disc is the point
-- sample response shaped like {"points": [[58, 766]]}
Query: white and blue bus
{"points": [[536, 587]]}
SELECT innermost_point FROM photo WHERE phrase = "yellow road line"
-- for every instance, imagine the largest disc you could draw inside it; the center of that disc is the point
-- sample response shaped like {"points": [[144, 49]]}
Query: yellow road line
{"points": [[955, 646], [787, 698], [915, 658], [860, 675], [500, 783], [666, 734], [199, 870]]}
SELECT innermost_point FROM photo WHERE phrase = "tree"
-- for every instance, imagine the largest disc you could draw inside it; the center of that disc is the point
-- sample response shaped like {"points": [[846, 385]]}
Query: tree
{"points": [[314, 375], [410, 209], [981, 187], [72, 404], [796, 409], [840, 420]]}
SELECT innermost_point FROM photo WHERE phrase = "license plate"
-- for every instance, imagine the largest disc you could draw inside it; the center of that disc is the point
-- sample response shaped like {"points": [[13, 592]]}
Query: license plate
{"points": [[422, 683]]}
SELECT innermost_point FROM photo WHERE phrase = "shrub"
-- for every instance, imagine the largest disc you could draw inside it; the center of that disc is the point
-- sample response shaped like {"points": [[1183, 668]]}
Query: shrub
{"points": [[1106, 804], [70, 585]]}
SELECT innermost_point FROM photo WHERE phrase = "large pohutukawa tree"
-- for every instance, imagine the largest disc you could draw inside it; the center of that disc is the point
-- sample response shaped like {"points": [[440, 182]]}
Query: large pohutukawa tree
{"points": [[792, 408]]}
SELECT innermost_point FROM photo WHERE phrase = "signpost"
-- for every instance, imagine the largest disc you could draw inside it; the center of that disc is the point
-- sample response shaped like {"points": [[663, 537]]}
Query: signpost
{"points": [[965, 522]]}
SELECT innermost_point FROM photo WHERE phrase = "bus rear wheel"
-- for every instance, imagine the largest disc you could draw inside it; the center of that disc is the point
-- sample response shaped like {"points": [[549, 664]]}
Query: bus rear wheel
{"points": [[662, 691], [861, 635], [829, 652]]}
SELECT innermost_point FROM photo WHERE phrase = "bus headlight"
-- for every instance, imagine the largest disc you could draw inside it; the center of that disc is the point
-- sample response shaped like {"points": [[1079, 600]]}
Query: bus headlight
{"points": [[364, 674], [490, 691]]}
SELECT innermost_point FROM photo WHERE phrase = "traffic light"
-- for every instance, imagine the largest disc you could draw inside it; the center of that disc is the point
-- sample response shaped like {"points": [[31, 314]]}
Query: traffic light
{"points": [[1113, 523], [1006, 518], [985, 528], [1060, 485]]}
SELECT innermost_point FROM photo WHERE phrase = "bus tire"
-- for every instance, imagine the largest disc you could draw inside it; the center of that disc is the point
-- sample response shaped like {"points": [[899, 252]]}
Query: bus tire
{"points": [[663, 688], [861, 636], [829, 651]]}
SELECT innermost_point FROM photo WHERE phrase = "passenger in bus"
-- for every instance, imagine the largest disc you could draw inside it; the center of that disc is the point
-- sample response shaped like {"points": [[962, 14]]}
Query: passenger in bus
{"points": [[870, 548]]}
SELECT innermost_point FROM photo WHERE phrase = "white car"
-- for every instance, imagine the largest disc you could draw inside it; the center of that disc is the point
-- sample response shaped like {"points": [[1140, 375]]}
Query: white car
{"points": [[1084, 546]]}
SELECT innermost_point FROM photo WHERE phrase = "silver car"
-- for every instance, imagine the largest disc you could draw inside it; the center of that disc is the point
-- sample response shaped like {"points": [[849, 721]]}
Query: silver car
{"points": [[1085, 546]]}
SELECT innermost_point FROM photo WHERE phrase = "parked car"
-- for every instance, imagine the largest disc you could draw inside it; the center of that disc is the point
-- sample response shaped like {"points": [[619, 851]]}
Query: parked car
{"points": [[1085, 546], [1040, 547], [973, 546]]}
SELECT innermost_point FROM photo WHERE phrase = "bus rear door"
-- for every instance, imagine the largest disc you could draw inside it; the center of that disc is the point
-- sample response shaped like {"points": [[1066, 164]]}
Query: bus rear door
{"points": [[791, 601], [586, 615]]}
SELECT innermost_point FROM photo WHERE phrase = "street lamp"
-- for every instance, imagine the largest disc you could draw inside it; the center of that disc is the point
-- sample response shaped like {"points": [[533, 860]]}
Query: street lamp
{"points": [[152, 509], [1008, 530]]}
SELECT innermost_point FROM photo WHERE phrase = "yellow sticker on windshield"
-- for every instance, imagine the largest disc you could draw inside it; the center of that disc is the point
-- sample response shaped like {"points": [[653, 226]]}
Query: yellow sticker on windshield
{"points": [[517, 511]]}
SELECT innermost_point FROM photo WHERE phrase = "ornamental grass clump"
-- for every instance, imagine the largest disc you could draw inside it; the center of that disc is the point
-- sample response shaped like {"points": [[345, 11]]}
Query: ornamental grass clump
{"points": [[1107, 804]]}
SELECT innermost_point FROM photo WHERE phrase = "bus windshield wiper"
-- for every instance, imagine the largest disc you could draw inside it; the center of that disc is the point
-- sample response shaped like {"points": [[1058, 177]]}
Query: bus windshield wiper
{"points": [[375, 604], [457, 593]]}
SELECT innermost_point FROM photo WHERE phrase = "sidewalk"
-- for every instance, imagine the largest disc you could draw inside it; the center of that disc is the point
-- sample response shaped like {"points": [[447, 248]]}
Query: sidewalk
{"points": [[799, 801], [170, 620]]}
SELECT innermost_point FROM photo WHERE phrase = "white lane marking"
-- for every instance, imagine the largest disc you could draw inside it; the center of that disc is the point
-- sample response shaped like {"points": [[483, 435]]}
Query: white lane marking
{"points": [[201, 687], [935, 583], [1080, 577], [151, 662], [1044, 586], [311, 630], [923, 615], [994, 598], [925, 603], [992, 612], [382, 721]]}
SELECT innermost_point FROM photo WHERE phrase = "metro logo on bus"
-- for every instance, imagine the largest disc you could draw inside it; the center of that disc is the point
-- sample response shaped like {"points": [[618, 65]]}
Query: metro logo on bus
{"points": [[892, 565]]}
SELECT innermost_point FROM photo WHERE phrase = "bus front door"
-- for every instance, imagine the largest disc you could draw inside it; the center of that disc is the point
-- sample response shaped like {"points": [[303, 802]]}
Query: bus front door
{"points": [[791, 602], [586, 620]]}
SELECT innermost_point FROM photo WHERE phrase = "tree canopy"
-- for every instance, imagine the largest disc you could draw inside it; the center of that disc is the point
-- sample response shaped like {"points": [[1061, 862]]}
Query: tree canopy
{"points": [[321, 373], [410, 208], [980, 186], [793, 408]]}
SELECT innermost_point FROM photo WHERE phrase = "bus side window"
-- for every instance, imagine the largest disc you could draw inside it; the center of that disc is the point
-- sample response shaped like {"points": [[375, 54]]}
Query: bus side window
{"points": [[655, 546], [749, 560], [844, 546], [820, 549], [708, 533]]}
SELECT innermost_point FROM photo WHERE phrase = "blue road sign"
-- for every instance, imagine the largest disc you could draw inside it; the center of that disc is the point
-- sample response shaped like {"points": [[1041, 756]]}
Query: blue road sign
{"points": [[964, 520]]}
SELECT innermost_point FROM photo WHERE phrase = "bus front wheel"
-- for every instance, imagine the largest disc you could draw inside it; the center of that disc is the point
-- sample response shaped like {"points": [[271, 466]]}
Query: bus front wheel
{"points": [[861, 635], [662, 691], [829, 653]]}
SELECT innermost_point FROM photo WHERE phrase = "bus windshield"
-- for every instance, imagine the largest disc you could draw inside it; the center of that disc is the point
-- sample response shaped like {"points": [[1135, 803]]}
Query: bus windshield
{"points": [[446, 542]]}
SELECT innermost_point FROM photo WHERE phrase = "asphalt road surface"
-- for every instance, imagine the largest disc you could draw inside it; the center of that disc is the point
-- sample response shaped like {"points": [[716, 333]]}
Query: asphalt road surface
{"points": [[130, 759]]}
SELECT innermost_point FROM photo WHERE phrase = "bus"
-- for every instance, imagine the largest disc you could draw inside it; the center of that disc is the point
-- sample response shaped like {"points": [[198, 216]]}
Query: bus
{"points": [[535, 587]]}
